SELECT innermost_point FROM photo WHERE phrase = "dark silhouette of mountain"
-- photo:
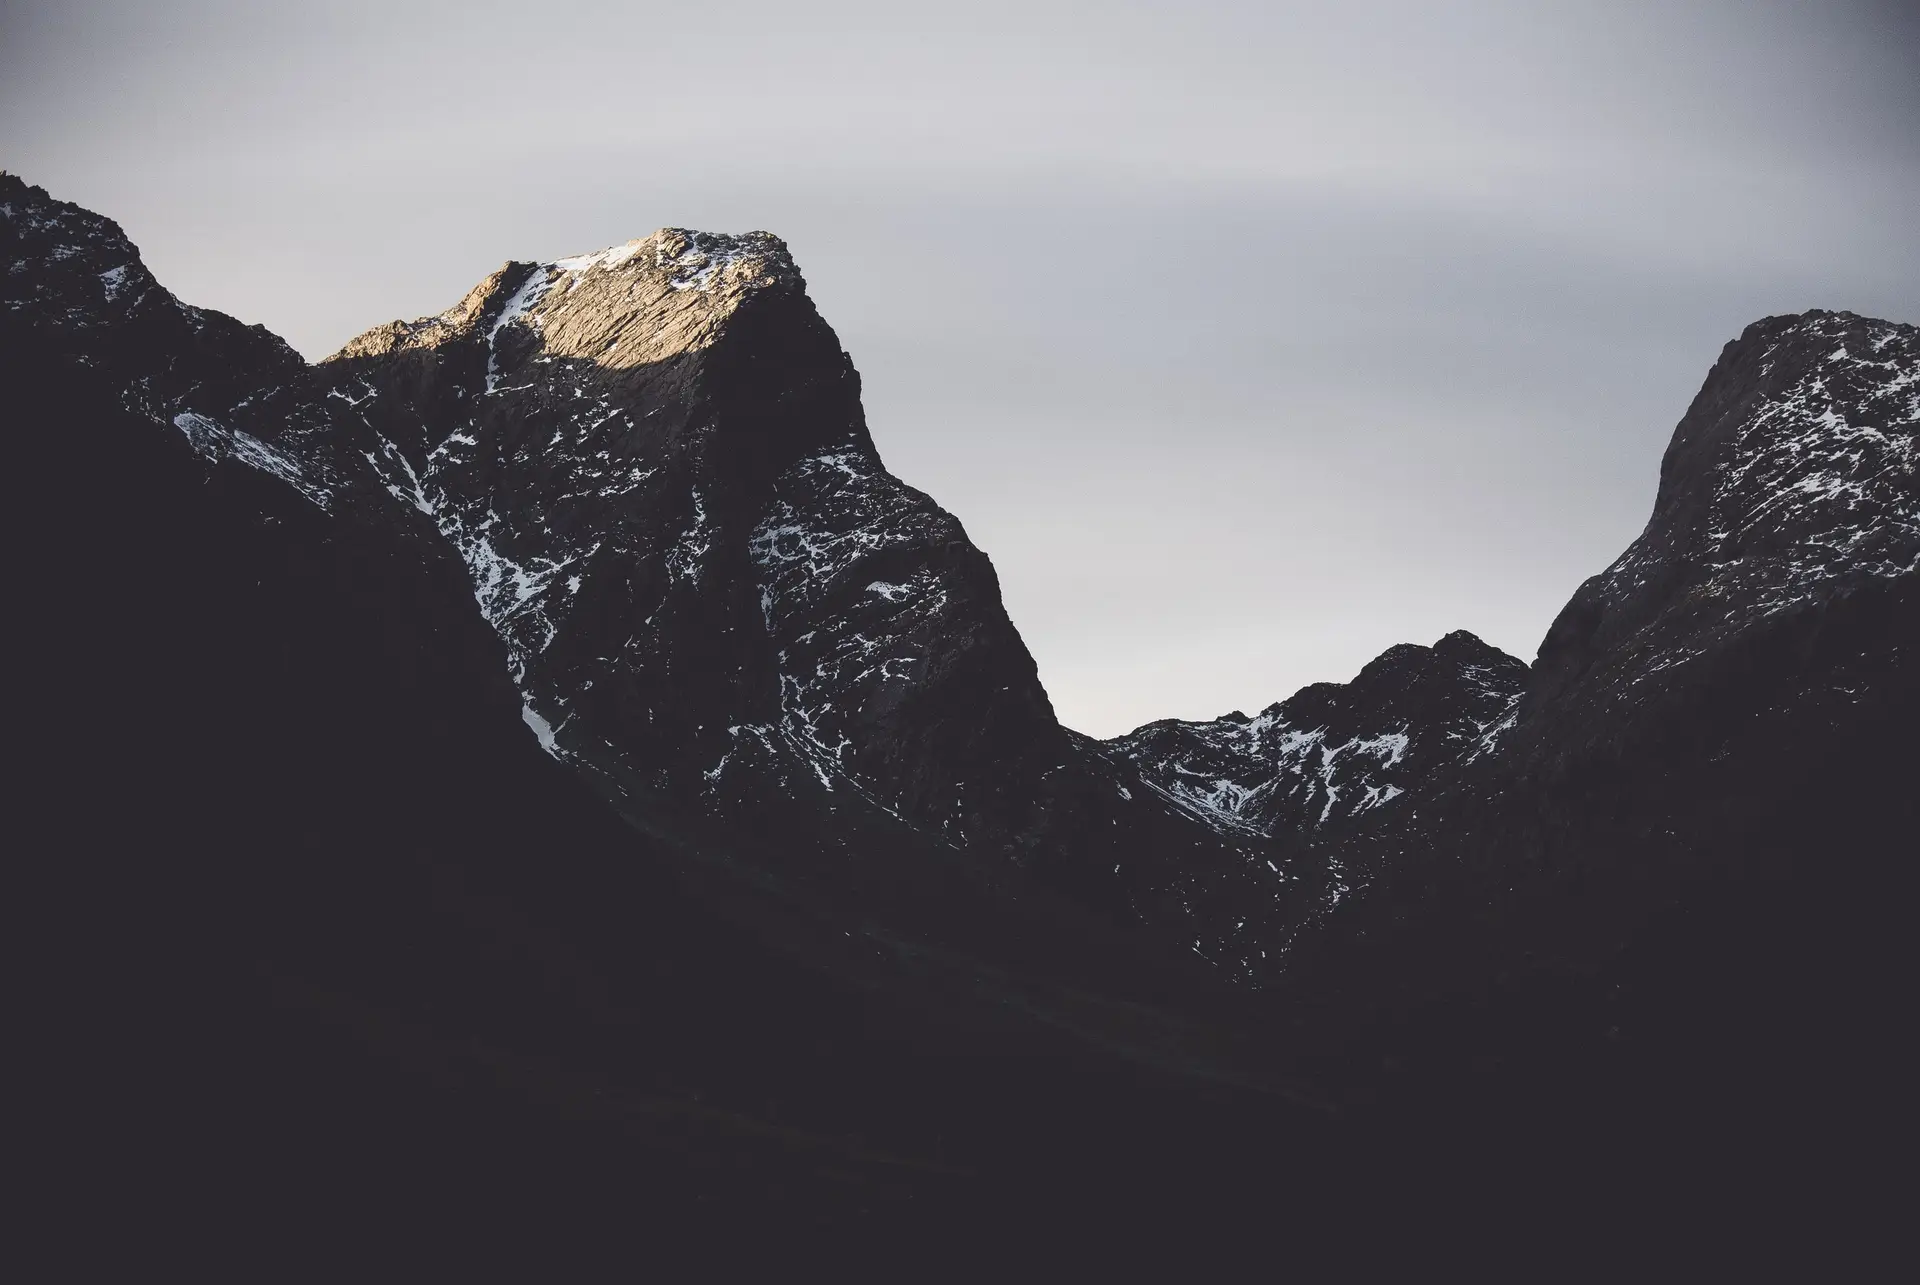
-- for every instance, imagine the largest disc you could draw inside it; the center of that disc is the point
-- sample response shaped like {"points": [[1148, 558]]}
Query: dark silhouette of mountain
{"points": [[1660, 919], [335, 941], [1735, 683], [539, 760]]}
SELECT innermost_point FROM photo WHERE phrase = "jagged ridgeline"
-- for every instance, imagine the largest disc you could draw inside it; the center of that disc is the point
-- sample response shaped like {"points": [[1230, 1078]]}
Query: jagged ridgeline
{"points": [[600, 570], [653, 463]]}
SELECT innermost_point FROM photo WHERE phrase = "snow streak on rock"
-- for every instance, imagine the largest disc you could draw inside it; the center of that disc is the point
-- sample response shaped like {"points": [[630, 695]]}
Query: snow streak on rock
{"points": [[852, 645], [214, 443]]}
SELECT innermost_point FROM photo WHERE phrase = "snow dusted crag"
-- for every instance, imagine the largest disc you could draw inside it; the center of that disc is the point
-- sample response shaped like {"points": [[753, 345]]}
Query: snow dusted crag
{"points": [[288, 471], [1730, 699], [237, 396], [79, 283], [562, 427], [654, 463], [1334, 752], [1792, 482]]}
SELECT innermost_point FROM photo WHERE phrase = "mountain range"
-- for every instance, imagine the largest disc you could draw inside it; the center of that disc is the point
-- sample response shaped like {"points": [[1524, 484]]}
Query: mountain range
{"points": [[540, 759]]}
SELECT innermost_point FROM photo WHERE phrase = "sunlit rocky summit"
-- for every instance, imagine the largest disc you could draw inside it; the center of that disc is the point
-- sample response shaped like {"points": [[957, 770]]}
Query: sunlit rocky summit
{"points": [[553, 711]]}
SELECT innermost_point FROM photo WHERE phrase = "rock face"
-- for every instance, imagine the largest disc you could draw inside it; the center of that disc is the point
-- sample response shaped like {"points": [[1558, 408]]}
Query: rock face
{"points": [[654, 461], [1764, 615], [325, 905], [1792, 484]]}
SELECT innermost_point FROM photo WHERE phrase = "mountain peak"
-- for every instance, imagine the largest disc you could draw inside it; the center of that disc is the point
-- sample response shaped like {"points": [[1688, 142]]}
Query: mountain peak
{"points": [[1333, 751], [697, 259], [637, 302], [1462, 644], [690, 259], [1793, 476]]}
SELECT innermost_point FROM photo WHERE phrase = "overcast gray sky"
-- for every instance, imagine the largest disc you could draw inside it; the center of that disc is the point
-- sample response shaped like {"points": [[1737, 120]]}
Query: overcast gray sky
{"points": [[1248, 338]]}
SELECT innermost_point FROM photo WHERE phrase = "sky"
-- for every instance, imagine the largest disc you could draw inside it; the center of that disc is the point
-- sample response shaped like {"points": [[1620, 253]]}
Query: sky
{"points": [[1248, 339]]}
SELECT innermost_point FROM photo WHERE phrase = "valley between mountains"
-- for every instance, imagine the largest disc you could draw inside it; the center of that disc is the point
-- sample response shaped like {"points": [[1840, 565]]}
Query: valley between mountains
{"points": [[543, 737]]}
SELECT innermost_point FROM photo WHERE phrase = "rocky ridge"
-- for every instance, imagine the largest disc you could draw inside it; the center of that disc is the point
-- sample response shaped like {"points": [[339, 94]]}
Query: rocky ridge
{"points": [[1790, 482], [1332, 753]]}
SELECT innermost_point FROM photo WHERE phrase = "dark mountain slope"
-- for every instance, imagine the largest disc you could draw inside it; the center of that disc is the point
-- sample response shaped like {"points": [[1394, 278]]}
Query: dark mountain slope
{"points": [[327, 938], [1756, 635], [1673, 891]]}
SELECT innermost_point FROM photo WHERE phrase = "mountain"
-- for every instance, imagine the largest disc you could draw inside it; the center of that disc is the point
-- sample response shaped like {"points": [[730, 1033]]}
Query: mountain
{"points": [[544, 739], [1672, 890], [324, 924], [1333, 752], [1734, 684], [655, 464]]}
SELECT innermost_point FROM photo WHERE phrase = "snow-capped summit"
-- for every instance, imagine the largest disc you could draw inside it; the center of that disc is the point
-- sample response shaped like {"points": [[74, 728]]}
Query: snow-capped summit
{"points": [[624, 306]]}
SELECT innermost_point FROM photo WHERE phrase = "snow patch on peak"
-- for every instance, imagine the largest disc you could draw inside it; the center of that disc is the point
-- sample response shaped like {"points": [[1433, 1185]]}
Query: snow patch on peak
{"points": [[214, 442], [687, 555], [613, 256], [696, 260], [1488, 734], [542, 729], [539, 281], [1388, 747]]}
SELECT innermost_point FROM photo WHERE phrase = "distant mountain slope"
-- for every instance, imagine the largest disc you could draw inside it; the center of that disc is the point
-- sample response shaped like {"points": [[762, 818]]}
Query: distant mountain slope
{"points": [[1332, 752]]}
